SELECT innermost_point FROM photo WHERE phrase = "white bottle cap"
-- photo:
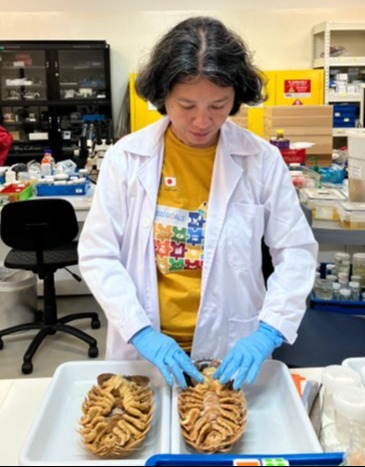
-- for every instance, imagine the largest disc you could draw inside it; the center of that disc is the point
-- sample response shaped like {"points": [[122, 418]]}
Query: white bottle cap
{"points": [[350, 402], [359, 256], [336, 286], [342, 255], [337, 376], [354, 284]]}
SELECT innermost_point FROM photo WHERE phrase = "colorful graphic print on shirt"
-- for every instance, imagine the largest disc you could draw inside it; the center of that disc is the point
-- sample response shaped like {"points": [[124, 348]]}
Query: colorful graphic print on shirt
{"points": [[179, 238]]}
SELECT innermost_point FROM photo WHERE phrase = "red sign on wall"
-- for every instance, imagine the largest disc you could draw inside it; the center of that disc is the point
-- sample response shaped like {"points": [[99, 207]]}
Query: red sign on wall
{"points": [[297, 88]]}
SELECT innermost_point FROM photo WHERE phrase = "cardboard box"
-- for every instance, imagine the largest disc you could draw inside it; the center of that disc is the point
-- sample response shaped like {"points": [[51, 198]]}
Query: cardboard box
{"points": [[298, 121], [356, 166], [297, 130], [17, 191], [241, 117], [299, 111]]}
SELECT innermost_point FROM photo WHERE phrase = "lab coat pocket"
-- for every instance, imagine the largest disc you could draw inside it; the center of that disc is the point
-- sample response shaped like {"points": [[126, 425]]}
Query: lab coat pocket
{"points": [[244, 229]]}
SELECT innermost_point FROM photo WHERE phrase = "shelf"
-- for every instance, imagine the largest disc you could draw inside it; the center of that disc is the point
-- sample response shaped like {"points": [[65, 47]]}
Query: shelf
{"points": [[336, 26], [329, 232], [339, 61], [26, 67], [344, 97], [337, 132], [37, 86]]}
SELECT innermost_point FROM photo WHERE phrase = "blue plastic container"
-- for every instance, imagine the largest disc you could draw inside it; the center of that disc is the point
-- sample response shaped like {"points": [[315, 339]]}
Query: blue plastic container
{"points": [[75, 189]]}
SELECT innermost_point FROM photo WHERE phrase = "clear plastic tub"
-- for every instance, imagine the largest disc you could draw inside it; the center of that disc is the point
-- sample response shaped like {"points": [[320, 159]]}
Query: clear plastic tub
{"points": [[323, 202], [352, 215], [303, 177]]}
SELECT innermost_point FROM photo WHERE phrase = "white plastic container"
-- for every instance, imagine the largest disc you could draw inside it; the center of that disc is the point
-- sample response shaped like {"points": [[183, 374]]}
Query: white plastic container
{"points": [[276, 421], [349, 405], [335, 377], [357, 364], [351, 215], [53, 438]]}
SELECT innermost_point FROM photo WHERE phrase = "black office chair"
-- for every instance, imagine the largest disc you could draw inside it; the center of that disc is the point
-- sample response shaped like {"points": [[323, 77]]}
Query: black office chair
{"points": [[41, 233]]}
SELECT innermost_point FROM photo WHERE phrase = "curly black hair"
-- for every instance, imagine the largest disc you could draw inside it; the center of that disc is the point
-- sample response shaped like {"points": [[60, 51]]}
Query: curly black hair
{"points": [[200, 46]]}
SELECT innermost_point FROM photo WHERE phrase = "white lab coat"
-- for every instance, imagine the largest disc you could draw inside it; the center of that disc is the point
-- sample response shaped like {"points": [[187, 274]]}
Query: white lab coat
{"points": [[251, 195]]}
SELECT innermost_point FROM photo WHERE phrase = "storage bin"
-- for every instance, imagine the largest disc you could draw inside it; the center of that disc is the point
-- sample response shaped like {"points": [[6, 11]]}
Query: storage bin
{"points": [[344, 115], [18, 297], [349, 307], [74, 189], [351, 215], [17, 191], [322, 201]]}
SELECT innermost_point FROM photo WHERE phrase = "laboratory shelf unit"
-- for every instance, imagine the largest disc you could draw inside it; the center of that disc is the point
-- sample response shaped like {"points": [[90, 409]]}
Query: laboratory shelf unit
{"points": [[50, 93], [339, 49]]}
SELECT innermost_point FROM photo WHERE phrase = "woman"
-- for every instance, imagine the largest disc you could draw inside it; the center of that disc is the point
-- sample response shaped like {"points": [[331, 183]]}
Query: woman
{"points": [[171, 248]]}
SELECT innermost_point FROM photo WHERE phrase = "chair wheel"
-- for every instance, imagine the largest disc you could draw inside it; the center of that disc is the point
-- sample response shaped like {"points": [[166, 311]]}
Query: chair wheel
{"points": [[27, 368], [1, 344], [93, 352], [95, 323]]}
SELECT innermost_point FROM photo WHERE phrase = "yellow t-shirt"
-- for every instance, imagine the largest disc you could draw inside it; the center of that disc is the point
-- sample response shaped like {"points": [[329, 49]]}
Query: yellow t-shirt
{"points": [[179, 232]]}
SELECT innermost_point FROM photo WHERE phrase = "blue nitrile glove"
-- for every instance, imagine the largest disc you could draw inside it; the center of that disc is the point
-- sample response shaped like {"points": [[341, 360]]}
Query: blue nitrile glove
{"points": [[166, 354], [248, 355]]}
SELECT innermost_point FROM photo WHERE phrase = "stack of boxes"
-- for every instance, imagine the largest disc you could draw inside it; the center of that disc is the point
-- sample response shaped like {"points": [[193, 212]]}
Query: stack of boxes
{"points": [[309, 123]]}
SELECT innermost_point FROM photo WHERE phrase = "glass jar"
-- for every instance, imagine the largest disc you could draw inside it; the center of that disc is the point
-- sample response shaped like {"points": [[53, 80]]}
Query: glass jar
{"points": [[336, 290], [343, 279], [358, 266], [345, 294], [343, 262], [323, 289], [354, 288]]}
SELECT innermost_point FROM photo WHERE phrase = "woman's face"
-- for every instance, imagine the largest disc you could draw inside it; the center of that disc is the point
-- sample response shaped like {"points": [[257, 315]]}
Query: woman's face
{"points": [[197, 109]]}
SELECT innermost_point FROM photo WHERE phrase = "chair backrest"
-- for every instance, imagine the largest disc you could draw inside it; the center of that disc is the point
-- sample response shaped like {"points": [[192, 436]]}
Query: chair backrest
{"points": [[38, 223]]}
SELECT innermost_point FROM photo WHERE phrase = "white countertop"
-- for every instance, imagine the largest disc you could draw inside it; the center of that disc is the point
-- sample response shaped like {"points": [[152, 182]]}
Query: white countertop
{"points": [[20, 400]]}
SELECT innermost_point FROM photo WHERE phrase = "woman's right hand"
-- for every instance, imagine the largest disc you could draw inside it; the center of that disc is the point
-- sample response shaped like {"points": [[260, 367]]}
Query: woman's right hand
{"points": [[166, 355]]}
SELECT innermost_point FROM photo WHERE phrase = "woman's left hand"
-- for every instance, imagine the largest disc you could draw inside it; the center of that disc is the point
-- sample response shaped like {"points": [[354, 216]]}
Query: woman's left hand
{"points": [[248, 355]]}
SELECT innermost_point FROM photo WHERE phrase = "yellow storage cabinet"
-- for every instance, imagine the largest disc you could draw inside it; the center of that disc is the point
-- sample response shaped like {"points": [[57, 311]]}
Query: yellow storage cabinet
{"points": [[142, 113], [297, 87]]}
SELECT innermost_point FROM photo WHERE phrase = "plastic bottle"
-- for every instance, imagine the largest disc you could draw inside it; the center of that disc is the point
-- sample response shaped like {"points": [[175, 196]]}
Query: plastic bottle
{"points": [[355, 290], [279, 140], [336, 290], [359, 266], [47, 163]]}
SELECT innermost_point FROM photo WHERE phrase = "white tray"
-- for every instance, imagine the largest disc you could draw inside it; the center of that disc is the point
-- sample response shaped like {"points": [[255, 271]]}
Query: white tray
{"points": [[357, 364], [277, 421], [54, 439]]}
